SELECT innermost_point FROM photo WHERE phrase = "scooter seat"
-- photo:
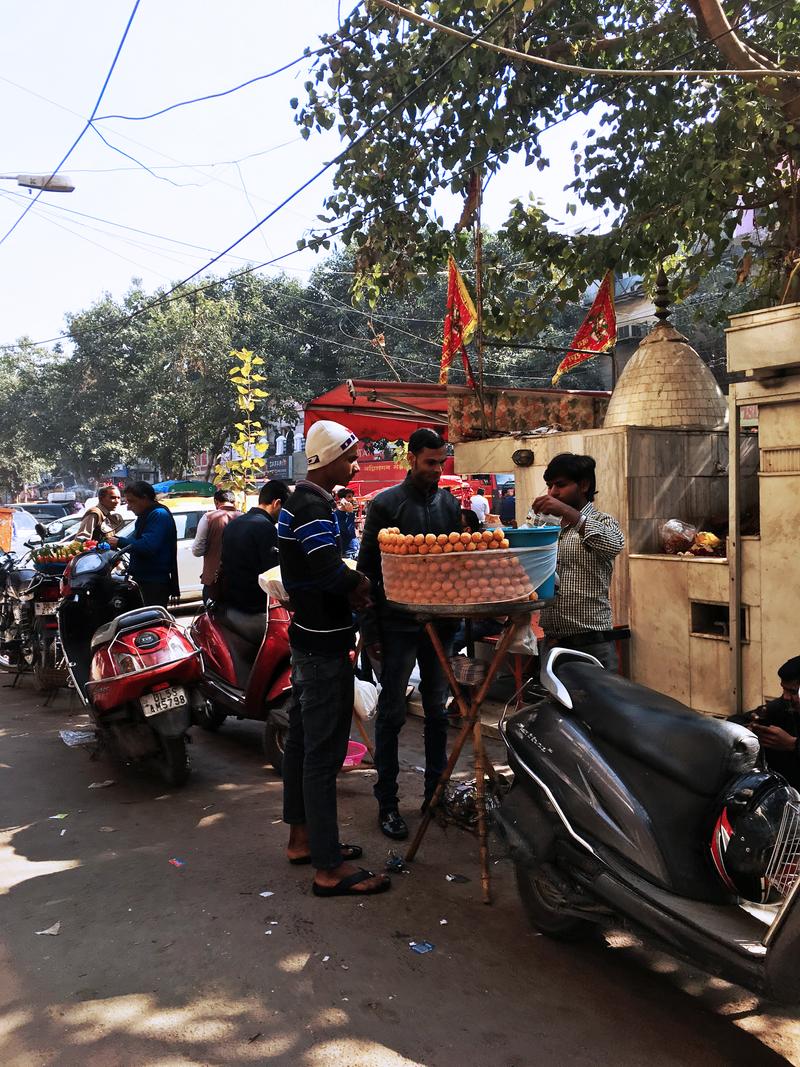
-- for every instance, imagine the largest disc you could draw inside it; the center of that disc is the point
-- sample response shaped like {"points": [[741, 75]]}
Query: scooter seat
{"points": [[130, 620], [697, 751], [250, 626]]}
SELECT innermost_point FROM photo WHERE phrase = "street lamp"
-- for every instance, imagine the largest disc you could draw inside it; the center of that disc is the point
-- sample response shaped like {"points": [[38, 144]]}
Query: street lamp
{"points": [[48, 183]]}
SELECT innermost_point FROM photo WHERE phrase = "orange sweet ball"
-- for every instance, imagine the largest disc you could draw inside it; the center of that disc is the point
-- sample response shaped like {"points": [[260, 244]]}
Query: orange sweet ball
{"points": [[465, 538], [442, 539], [424, 549], [436, 550], [487, 536], [447, 548], [498, 534], [453, 537], [459, 547], [430, 539]]}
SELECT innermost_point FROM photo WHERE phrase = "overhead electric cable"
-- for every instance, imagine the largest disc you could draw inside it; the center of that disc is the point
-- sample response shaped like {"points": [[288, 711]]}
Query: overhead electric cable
{"points": [[80, 136], [353, 144], [569, 68]]}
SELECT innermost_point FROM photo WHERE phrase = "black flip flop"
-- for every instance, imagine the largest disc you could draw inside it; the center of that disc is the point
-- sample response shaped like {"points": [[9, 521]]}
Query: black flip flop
{"points": [[345, 888], [349, 852]]}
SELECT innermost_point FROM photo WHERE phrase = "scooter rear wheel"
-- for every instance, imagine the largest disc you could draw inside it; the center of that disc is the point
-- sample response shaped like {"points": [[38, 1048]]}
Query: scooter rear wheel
{"points": [[543, 903], [46, 677], [173, 763], [274, 744]]}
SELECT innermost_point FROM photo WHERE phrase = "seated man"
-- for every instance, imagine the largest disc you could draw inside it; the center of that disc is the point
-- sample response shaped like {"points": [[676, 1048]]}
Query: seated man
{"points": [[250, 547], [777, 725]]}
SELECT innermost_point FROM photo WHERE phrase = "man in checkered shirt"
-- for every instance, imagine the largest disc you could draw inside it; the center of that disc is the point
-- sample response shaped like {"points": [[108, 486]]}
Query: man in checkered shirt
{"points": [[580, 616]]}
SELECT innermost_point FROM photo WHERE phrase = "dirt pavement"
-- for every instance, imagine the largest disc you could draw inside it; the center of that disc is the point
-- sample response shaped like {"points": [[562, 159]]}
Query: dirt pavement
{"points": [[160, 965]]}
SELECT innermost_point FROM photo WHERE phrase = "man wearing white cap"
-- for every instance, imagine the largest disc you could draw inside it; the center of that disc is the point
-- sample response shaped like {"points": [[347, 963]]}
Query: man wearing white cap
{"points": [[323, 593]]}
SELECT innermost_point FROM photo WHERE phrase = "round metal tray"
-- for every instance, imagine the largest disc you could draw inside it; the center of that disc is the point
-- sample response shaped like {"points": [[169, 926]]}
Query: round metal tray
{"points": [[466, 611]]}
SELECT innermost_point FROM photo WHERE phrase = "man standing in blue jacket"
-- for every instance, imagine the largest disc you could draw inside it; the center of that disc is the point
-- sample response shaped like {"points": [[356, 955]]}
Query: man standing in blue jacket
{"points": [[323, 594], [153, 548]]}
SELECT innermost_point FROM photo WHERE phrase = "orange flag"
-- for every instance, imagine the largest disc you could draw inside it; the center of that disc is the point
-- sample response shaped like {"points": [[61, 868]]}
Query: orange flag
{"points": [[598, 332], [460, 322]]}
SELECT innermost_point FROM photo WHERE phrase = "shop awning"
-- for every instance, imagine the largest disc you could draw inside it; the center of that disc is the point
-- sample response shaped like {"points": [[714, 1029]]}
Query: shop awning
{"points": [[375, 410]]}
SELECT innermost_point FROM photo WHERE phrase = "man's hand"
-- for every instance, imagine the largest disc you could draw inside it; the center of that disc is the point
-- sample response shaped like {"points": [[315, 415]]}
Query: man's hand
{"points": [[550, 505], [774, 737], [360, 597], [112, 540]]}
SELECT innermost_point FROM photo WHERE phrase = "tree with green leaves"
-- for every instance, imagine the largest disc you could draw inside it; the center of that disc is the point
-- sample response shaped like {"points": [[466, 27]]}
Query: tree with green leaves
{"points": [[675, 163], [245, 460]]}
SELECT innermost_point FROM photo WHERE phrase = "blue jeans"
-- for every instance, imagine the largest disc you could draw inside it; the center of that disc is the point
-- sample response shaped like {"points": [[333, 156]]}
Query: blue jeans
{"points": [[316, 746], [401, 650]]}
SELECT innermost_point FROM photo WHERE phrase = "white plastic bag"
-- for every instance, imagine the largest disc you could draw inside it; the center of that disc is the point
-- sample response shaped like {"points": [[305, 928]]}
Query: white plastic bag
{"points": [[525, 642], [365, 700]]}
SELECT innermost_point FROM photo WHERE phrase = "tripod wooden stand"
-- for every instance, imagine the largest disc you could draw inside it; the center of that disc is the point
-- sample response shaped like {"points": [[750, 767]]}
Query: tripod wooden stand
{"points": [[516, 614]]}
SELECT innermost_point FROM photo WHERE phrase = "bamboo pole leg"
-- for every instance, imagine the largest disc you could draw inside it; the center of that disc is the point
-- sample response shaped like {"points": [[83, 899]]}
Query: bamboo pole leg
{"points": [[480, 802], [471, 715], [464, 733]]}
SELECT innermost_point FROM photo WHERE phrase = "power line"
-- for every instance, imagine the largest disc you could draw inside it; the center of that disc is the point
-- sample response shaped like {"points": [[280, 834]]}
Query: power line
{"points": [[80, 136], [350, 148], [569, 68]]}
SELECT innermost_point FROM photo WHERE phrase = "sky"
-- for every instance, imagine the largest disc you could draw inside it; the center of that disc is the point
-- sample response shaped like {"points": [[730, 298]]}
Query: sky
{"points": [[215, 167]]}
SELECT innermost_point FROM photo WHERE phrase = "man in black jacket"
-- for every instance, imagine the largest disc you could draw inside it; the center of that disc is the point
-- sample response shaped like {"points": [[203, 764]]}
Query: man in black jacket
{"points": [[394, 639], [250, 547], [778, 725]]}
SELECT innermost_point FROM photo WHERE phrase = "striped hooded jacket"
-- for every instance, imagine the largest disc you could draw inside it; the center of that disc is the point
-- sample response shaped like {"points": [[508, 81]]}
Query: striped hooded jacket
{"points": [[313, 573]]}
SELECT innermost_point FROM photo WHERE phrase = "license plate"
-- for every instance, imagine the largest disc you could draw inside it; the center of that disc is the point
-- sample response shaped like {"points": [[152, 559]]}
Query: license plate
{"points": [[45, 607], [164, 700]]}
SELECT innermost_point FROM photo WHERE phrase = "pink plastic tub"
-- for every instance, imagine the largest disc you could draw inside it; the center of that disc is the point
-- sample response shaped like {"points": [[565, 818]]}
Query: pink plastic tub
{"points": [[355, 754]]}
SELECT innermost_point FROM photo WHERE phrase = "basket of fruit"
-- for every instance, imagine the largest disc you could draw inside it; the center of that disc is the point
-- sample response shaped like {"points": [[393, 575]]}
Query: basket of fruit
{"points": [[53, 559], [423, 570]]}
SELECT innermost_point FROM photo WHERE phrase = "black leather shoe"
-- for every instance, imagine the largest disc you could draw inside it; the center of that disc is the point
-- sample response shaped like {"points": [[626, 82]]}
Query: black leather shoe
{"points": [[393, 825]]}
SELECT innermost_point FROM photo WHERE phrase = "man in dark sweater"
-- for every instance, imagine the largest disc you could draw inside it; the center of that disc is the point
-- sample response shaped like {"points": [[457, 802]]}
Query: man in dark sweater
{"points": [[323, 592], [395, 639], [777, 725], [250, 547]]}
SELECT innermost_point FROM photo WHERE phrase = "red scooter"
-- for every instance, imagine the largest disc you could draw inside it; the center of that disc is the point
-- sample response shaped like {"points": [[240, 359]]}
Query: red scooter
{"points": [[135, 669], [247, 670]]}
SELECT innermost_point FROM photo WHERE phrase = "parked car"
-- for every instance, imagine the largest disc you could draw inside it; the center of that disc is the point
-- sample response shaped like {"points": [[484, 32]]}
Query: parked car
{"points": [[42, 511], [23, 528], [187, 512]]}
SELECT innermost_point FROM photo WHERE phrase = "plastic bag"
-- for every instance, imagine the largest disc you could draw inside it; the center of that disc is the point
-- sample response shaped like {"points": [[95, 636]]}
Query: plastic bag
{"points": [[677, 536], [365, 700], [525, 642]]}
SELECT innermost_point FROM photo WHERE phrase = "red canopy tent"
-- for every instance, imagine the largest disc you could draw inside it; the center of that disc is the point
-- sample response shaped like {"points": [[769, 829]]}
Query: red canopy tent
{"points": [[375, 410]]}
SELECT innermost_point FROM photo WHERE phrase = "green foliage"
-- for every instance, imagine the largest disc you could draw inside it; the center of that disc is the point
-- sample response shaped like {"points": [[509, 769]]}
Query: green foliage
{"points": [[673, 165], [245, 462]]}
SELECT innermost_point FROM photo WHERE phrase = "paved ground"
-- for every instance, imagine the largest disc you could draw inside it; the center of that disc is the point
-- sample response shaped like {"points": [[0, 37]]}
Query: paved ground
{"points": [[156, 965]]}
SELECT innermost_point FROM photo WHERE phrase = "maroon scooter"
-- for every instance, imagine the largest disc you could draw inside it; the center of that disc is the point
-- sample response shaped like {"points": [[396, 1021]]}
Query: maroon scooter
{"points": [[246, 670]]}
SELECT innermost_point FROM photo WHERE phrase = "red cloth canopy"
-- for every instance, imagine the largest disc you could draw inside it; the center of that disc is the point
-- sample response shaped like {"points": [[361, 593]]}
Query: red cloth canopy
{"points": [[375, 410]]}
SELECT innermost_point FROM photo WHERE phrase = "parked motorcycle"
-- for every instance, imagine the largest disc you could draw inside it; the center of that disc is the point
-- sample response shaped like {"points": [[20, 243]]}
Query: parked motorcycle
{"points": [[247, 670], [135, 669], [628, 806], [28, 625]]}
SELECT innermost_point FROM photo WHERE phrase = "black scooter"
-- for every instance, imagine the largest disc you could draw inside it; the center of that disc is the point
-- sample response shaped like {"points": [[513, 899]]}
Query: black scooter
{"points": [[629, 807], [29, 640]]}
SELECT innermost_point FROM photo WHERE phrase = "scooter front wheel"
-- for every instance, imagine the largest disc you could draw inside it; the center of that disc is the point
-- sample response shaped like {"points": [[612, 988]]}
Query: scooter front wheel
{"points": [[173, 762], [544, 903], [210, 717]]}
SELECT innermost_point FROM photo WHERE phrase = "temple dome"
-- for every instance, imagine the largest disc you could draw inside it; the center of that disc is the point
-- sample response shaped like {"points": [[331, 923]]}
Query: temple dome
{"points": [[666, 383]]}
